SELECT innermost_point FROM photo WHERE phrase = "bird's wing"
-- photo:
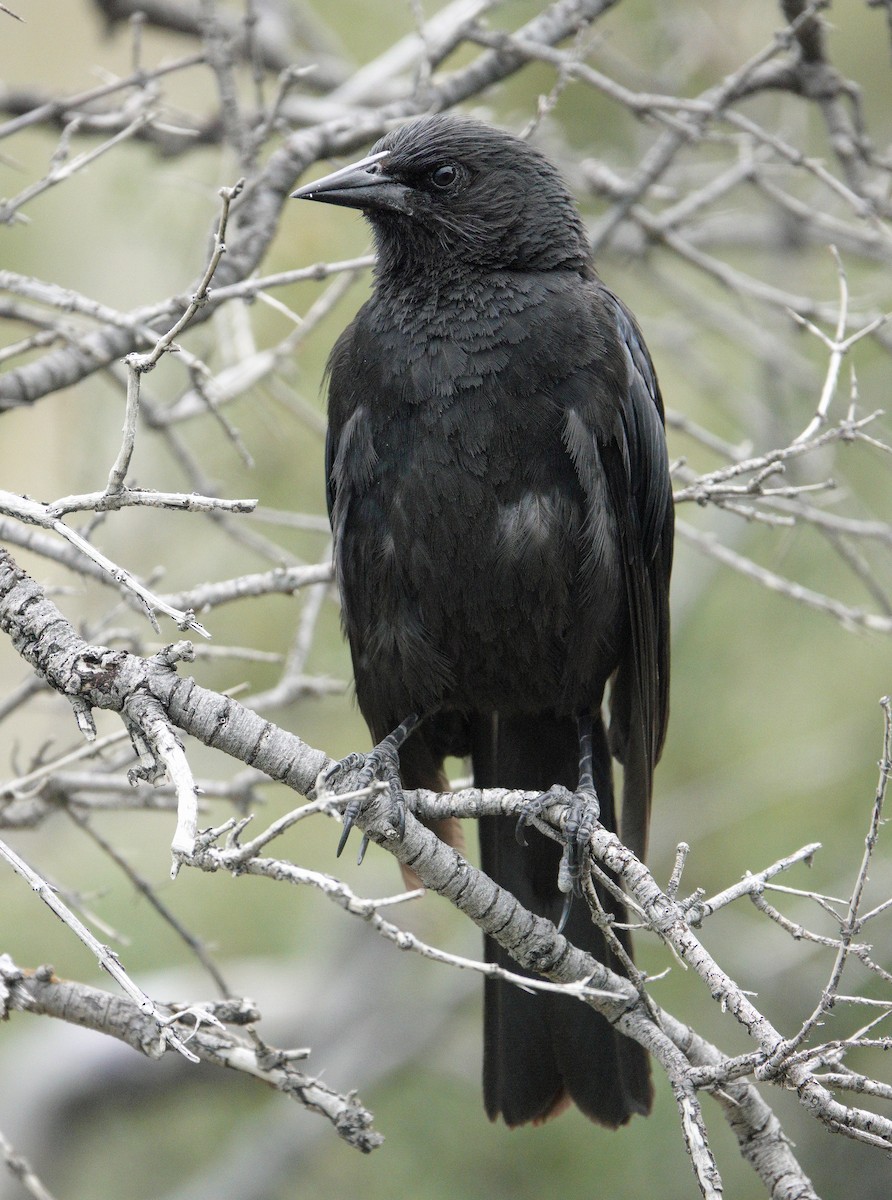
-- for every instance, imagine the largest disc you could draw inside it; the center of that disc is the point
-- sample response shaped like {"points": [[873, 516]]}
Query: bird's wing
{"points": [[340, 404], [349, 451], [330, 452], [622, 414]]}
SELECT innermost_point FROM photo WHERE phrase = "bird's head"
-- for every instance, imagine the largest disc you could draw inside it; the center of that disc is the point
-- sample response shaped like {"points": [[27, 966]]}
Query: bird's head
{"points": [[444, 193]]}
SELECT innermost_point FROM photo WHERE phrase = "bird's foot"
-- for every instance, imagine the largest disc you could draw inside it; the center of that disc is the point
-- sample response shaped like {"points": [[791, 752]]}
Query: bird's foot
{"points": [[582, 811], [532, 809], [366, 775]]}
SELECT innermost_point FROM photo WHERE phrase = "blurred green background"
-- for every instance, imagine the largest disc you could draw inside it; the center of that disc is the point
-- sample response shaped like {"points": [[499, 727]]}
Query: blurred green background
{"points": [[775, 730]]}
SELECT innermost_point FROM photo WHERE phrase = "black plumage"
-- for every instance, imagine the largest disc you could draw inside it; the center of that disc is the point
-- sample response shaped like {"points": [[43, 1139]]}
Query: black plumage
{"points": [[500, 500]]}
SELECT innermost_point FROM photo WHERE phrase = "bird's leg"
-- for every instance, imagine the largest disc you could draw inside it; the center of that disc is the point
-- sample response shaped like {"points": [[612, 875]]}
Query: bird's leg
{"points": [[382, 762], [583, 811]]}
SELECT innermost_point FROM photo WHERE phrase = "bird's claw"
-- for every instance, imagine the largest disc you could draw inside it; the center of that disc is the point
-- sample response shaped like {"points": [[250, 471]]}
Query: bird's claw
{"points": [[380, 766], [351, 812], [346, 765], [532, 809], [583, 812]]}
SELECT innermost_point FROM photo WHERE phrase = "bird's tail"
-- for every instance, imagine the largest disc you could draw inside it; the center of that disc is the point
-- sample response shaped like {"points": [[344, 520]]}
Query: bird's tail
{"points": [[542, 1051]]}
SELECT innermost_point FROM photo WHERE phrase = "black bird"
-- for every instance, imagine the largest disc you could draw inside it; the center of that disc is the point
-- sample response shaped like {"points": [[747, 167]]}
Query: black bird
{"points": [[499, 493]]}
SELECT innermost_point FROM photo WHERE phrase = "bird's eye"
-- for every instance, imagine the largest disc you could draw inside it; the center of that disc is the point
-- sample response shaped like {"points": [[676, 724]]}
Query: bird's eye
{"points": [[444, 177]]}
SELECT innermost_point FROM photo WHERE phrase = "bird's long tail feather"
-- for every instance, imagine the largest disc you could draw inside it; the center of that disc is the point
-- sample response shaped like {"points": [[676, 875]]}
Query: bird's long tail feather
{"points": [[542, 1051]]}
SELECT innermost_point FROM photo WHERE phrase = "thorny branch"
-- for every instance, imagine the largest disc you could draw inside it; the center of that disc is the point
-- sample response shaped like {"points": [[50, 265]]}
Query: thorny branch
{"points": [[285, 98]]}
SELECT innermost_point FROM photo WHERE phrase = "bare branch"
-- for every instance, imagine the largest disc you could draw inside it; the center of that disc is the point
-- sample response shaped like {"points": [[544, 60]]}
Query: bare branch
{"points": [[210, 1040], [106, 958]]}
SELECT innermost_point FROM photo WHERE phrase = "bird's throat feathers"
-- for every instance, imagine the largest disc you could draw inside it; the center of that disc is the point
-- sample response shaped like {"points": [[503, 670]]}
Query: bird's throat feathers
{"points": [[407, 247]]}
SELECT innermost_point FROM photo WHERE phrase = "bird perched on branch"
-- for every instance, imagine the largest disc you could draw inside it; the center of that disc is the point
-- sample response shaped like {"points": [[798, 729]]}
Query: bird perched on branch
{"points": [[499, 493]]}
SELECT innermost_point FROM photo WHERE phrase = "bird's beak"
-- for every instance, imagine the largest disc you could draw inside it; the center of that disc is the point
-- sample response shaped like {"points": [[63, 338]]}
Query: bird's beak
{"points": [[364, 184]]}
